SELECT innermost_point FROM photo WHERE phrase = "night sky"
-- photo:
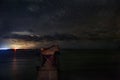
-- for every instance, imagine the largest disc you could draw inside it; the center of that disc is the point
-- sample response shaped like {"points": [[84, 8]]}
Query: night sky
{"points": [[69, 23]]}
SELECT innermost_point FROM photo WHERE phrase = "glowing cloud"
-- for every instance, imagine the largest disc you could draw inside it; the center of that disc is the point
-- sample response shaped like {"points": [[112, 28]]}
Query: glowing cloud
{"points": [[22, 44], [23, 33]]}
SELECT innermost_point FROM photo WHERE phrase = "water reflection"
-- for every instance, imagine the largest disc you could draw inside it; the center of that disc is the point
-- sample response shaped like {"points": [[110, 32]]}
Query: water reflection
{"points": [[48, 71], [15, 68]]}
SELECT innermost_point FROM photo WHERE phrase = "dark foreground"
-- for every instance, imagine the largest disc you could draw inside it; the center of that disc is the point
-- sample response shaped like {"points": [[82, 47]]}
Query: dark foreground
{"points": [[73, 65]]}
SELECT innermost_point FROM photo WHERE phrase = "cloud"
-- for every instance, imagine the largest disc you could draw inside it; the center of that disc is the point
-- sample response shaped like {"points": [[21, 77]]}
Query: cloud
{"points": [[22, 33], [28, 37], [22, 44]]}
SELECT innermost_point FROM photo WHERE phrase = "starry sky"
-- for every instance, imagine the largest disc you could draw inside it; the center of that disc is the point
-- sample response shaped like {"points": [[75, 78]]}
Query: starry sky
{"points": [[80, 23]]}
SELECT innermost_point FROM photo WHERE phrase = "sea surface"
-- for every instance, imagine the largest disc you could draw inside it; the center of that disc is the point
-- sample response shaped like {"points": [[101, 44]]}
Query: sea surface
{"points": [[72, 65]]}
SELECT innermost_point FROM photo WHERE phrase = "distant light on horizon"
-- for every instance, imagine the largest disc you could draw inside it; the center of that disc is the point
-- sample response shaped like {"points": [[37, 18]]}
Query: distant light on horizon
{"points": [[4, 48]]}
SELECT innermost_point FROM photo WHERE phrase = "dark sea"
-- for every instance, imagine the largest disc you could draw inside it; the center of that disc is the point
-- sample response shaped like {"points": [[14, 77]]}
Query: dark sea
{"points": [[72, 65]]}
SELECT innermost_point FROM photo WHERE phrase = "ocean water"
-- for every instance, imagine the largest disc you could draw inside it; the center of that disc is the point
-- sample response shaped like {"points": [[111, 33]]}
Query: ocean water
{"points": [[72, 65], [90, 65]]}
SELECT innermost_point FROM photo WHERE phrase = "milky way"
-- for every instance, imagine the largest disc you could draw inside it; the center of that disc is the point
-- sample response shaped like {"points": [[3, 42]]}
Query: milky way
{"points": [[85, 19]]}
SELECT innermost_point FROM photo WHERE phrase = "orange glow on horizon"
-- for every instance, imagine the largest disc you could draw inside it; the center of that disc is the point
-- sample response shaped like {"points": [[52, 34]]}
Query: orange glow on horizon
{"points": [[22, 44]]}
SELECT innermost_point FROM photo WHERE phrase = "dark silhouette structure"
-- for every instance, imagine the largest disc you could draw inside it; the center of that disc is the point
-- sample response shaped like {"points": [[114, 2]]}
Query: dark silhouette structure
{"points": [[49, 68]]}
